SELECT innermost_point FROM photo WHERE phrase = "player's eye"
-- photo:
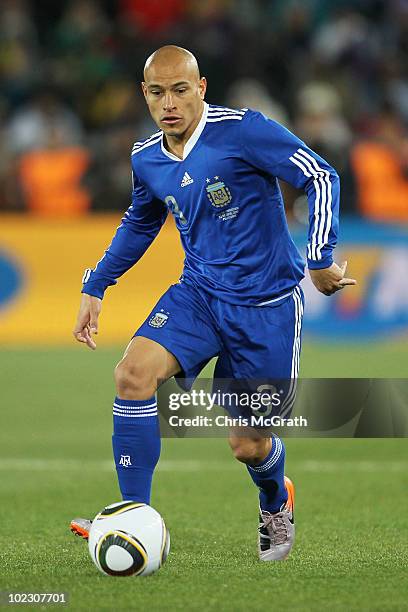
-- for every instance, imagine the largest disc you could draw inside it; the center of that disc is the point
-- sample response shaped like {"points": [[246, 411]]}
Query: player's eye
{"points": [[155, 92], [181, 90]]}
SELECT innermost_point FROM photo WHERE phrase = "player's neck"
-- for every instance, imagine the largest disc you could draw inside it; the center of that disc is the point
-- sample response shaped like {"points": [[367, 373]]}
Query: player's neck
{"points": [[176, 144]]}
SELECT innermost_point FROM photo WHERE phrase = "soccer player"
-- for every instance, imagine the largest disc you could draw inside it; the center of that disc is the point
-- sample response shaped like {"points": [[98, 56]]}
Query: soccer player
{"points": [[215, 169]]}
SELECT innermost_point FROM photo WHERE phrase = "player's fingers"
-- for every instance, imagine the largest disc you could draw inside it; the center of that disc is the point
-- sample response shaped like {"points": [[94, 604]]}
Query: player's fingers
{"points": [[79, 335], [89, 340], [347, 281], [84, 336], [343, 267], [344, 282], [87, 332], [91, 344]]}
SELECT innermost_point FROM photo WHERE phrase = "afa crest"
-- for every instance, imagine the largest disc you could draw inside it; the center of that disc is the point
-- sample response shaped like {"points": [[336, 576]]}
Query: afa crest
{"points": [[125, 460], [158, 319], [218, 193]]}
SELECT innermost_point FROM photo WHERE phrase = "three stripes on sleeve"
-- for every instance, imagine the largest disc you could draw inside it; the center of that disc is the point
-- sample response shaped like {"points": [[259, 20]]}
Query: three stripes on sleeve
{"points": [[323, 202]]}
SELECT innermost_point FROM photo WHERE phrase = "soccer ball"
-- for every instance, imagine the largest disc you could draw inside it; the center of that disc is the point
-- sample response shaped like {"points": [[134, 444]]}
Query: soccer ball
{"points": [[128, 539]]}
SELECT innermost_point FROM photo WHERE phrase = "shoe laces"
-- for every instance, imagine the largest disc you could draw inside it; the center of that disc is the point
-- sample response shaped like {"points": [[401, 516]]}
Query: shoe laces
{"points": [[276, 527]]}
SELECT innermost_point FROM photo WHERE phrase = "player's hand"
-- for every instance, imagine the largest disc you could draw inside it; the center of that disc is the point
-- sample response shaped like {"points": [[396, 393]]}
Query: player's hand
{"points": [[87, 320], [332, 279]]}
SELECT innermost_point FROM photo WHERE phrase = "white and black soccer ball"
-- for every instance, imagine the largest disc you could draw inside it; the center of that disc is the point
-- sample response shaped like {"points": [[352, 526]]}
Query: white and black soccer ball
{"points": [[128, 539]]}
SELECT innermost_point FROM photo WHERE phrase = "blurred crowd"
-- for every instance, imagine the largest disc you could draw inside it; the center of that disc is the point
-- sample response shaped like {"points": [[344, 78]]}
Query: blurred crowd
{"points": [[335, 72]]}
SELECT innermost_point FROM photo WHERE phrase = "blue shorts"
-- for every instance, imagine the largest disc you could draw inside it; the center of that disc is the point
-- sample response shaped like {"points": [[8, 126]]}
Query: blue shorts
{"points": [[250, 342]]}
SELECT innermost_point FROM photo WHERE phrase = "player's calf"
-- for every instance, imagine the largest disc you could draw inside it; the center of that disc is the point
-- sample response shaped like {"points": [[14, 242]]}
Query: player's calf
{"points": [[249, 450]]}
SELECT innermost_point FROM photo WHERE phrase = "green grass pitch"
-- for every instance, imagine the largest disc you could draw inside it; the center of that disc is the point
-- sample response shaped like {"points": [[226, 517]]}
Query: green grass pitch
{"points": [[351, 551]]}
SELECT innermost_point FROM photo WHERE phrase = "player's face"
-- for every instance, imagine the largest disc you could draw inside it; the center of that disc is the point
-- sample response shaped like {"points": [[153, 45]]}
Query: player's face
{"points": [[174, 95]]}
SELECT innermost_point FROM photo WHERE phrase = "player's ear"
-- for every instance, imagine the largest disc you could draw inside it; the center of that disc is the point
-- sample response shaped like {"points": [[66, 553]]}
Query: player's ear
{"points": [[203, 87], [144, 89]]}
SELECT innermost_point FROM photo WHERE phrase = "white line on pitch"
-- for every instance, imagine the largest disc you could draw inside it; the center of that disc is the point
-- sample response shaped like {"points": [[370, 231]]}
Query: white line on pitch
{"points": [[27, 464], [76, 465]]}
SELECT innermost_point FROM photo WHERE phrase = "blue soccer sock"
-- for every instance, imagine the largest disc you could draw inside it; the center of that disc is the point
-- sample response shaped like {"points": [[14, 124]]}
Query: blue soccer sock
{"points": [[269, 477], [136, 446]]}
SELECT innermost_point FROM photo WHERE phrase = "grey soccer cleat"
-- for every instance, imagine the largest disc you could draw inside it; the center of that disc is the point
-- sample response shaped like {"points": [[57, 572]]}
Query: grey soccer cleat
{"points": [[81, 527], [277, 530]]}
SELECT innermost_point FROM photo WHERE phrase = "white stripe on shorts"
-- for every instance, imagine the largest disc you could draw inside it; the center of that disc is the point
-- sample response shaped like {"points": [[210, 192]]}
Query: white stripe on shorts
{"points": [[291, 396]]}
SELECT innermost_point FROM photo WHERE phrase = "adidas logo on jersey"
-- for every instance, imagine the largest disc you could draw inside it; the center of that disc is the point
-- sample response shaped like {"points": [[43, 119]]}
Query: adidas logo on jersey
{"points": [[187, 180]]}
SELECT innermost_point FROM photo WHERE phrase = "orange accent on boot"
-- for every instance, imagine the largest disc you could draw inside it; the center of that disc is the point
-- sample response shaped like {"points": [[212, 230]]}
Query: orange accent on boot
{"points": [[78, 530], [291, 493]]}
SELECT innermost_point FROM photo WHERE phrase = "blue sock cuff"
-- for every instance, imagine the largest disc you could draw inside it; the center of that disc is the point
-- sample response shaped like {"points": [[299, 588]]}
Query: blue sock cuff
{"points": [[135, 408], [130, 414], [275, 456]]}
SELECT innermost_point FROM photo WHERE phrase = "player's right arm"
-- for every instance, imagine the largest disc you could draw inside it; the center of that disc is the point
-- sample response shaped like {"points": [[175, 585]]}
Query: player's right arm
{"points": [[140, 225]]}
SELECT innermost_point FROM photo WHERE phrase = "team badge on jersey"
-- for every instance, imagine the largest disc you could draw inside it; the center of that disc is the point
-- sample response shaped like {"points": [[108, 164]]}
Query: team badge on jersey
{"points": [[218, 193], [159, 319]]}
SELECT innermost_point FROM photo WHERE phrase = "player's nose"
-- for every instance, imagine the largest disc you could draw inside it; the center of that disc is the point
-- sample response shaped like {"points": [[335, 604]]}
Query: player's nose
{"points": [[168, 102]]}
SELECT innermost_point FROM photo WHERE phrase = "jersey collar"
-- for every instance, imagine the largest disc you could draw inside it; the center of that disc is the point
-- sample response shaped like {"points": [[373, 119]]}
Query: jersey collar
{"points": [[192, 141]]}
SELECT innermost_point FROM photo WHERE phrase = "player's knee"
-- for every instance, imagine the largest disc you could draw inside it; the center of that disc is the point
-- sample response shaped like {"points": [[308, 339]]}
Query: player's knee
{"points": [[248, 451], [133, 380]]}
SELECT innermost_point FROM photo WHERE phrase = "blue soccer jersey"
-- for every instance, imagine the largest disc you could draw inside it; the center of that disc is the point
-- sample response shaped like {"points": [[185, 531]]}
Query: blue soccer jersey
{"points": [[225, 198]]}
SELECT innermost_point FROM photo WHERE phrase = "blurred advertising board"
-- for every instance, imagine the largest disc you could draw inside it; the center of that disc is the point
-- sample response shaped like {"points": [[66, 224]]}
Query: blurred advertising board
{"points": [[41, 267], [42, 261], [377, 307]]}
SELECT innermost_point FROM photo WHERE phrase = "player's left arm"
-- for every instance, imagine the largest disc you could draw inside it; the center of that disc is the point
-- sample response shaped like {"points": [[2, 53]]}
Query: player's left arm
{"points": [[272, 148]]}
